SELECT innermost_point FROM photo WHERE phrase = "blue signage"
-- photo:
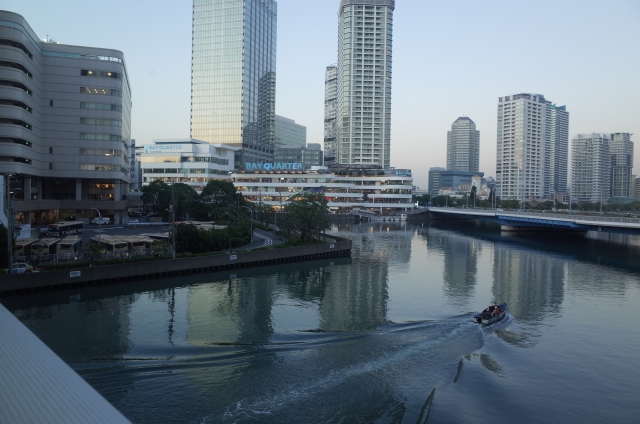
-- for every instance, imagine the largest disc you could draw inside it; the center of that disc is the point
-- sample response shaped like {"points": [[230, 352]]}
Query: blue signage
{"points": [[274, 166]]}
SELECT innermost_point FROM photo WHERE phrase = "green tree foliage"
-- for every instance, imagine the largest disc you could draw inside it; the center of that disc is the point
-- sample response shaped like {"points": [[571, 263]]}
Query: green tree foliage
{"points": [[190, 238], [156, 198], [264, 214], [4, 253], [215, 199], [423, 200], [304, 218], [185, 197]]}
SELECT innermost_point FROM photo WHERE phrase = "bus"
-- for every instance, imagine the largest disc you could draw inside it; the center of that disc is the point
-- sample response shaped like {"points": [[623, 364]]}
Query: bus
{"points": [[63, 229], [138, 243], [22, 247], [158, 236], [68, 247], [45, 246], [112, 245]]}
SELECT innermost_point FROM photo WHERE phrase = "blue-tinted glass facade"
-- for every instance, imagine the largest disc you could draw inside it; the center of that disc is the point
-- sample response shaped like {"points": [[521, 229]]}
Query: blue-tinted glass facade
{"points": [[233, 75]]}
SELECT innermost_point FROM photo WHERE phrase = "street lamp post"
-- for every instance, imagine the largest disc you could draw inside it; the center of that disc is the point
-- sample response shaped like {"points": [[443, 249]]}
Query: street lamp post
{"points": [[250, 225], [99, 223], [600, 198], [9, 225]]}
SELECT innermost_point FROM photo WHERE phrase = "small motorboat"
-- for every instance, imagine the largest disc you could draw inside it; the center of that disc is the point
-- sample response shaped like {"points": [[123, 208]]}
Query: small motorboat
{"points": [[491, 314]]}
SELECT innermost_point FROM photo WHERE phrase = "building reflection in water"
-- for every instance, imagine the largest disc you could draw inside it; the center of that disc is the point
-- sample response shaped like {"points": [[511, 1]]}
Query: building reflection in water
{"points": [[356, 296], [460, 271], [530, 282], [236, 311]]}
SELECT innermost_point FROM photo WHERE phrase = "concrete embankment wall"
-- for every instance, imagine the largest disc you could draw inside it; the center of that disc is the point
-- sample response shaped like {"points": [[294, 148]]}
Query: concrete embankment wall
{"points": [[13, 284]]}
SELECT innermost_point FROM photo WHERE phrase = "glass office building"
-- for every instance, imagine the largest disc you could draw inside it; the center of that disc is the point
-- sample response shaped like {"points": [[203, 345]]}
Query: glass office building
{"points": [[233, 75]]}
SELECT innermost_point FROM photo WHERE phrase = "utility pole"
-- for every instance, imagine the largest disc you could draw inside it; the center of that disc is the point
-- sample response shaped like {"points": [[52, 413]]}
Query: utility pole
{"points": [[600, 198], [9, 225], [172, 209]]}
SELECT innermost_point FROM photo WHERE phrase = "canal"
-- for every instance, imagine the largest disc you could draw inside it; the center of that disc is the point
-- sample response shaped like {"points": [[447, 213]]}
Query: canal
{"points": [[384, 336]]}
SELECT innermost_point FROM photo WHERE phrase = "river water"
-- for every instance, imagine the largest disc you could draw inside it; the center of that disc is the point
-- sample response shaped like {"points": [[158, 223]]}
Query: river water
{"points": [[384, 336]]}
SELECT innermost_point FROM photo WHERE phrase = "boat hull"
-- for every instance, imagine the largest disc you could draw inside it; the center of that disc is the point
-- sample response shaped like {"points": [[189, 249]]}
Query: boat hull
{"points": [[484, 320]]}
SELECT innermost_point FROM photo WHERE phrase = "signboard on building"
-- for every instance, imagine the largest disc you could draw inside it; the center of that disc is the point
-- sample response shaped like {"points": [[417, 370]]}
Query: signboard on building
{"points": [[132, 163], [274, 166], [162, 148]]}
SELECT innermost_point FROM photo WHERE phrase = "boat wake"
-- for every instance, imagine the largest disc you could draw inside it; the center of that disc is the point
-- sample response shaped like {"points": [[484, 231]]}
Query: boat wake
{"points": [[352, 377]]}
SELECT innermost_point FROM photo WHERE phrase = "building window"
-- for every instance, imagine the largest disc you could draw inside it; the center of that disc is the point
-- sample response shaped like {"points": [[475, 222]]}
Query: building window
{"points": [[96, 121], [17, 45], [101, 74], [100, 137], [7, 64], [101, 91], [9, 102], [100, 106], [16, 122], [7, 83]]}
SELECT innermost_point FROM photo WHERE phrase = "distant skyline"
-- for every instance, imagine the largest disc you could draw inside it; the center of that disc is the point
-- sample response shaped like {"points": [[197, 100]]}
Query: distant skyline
{"points": [[450, 59]]}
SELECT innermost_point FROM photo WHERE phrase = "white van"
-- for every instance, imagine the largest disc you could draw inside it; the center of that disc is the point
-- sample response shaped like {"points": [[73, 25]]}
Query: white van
{"points": [[103, 221]]}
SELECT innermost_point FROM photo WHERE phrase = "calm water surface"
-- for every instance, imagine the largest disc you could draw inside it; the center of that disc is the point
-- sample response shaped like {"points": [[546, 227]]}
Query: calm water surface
{"points": [[383, 337]]}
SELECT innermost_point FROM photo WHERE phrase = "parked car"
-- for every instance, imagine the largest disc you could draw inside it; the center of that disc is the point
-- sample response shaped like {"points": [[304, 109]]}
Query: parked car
{"points": [[500, 210], [22, 268], [133, 221], [98, 221]]}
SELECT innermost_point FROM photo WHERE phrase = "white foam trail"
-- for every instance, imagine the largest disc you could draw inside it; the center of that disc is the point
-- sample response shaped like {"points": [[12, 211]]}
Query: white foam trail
{"points": [[265, 406]]}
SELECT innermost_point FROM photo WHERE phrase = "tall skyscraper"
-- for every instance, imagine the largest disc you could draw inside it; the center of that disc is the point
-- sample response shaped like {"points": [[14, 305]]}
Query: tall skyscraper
{"points": [[621, 150], [330, 105], [364, 82], [559, 154], [233, 71], [530, 148], [590, 168], [463, 146]]}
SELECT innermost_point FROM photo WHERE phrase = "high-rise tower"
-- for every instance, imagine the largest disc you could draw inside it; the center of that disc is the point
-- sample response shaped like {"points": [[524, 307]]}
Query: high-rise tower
{"points": [[532, 140], [233, 70], [330, 104], [590, 168], [463, 146], [364, 82], [559, 152], [621, 150]]}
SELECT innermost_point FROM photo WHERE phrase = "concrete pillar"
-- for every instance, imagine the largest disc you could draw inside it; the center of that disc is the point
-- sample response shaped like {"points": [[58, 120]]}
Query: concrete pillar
{"points": [[39, 195], [38, 218], [117, 190], [27, 218], [26, 188], [3, 198], [78, 189], [117, 216]]}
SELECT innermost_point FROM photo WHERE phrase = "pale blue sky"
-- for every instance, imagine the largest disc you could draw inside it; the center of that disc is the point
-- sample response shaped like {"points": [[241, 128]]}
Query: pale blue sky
{"points": [[450, 58]]}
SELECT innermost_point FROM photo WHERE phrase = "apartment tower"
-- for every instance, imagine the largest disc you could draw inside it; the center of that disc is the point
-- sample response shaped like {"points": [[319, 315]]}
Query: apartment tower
{"points": [[233, 76], [463, 146], [621, 150], [590, 168], [365, 29], [559, 150], [330, 105], [532, 146]]}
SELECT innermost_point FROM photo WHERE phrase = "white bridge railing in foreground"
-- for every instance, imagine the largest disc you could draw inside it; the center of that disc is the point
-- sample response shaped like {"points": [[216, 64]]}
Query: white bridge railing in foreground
{"points": [[36, 386]]}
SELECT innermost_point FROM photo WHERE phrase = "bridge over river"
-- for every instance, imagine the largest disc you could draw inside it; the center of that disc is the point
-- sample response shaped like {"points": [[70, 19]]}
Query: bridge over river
{"points": [[540, 221]]}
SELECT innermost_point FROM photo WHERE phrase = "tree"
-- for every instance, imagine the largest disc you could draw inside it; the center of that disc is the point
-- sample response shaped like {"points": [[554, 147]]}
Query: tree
{"points": [[184, 199], [304, 218], [156, 197], [4, 252], [92, 252], [215, 198]]}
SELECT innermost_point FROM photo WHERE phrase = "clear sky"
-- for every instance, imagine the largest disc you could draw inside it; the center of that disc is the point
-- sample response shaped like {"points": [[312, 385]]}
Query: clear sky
{"points": [[450, 58]]}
